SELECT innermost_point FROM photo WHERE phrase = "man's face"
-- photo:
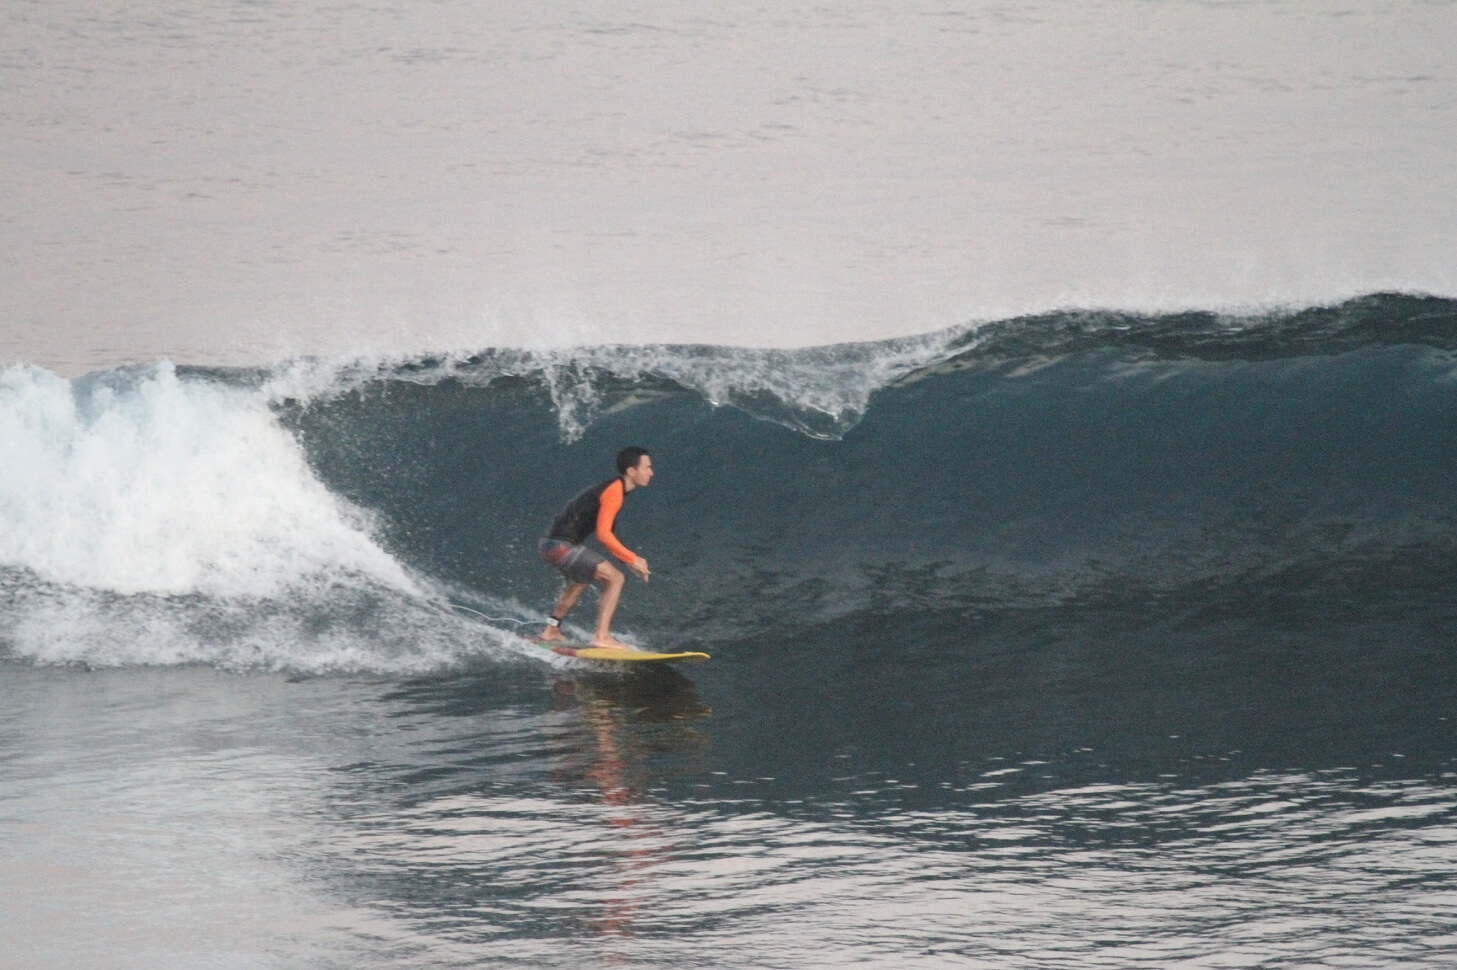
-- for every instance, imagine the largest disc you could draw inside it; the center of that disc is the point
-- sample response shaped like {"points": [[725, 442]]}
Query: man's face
{"points": [[642, 473]]}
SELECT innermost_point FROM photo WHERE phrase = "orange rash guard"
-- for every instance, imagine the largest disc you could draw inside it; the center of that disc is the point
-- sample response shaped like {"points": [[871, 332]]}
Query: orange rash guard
{"points": [[611, 504]]}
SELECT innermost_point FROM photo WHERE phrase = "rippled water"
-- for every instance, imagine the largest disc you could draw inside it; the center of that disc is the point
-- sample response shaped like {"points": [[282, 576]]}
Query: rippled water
{"points": [[506, 817]]}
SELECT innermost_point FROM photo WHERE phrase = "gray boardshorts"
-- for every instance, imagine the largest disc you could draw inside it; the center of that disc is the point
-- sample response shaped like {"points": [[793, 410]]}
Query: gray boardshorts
{"points": [[577, 563]]}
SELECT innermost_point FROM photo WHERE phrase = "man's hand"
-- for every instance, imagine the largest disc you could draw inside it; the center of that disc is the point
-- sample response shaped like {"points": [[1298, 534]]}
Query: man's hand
{"points": [[640, 566]]}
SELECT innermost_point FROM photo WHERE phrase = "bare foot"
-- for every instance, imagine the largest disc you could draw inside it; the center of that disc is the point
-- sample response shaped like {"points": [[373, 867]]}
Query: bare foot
{"points": [[551, 635], [610, 641]]}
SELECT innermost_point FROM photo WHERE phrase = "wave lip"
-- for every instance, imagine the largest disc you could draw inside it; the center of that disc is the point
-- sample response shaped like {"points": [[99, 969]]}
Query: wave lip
{"points": [[824, 392], [1377, 319], [819, 391]]}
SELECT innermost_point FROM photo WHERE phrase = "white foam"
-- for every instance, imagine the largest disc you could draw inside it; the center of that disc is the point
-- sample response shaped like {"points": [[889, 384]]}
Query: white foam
{"points": [[139, 481], [821, 391], [308, 631]]}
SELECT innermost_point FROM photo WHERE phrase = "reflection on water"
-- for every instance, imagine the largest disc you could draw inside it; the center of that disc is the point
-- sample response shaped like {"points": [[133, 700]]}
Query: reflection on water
{"points": [[512, 816], [512, 819], [630, 722], [596, 856]]}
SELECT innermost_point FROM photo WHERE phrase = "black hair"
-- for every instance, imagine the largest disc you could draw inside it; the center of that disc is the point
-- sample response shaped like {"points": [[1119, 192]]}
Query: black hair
{"points": [[629, 457]]}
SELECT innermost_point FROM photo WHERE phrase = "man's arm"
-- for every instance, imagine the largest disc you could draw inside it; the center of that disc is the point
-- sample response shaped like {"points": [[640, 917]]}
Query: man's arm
{"points": [[611, 504]]}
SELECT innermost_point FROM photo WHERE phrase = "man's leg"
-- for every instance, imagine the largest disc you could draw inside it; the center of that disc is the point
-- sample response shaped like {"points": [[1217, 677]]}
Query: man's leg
{"points": [[611, 579], [564, 605]]}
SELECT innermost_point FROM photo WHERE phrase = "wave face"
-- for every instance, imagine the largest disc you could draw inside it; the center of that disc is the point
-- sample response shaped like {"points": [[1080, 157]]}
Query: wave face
{"points": [[1198, 471]]}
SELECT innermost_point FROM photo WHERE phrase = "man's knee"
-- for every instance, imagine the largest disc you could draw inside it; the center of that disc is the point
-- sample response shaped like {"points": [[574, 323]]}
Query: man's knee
{"points": [[609, 575]]}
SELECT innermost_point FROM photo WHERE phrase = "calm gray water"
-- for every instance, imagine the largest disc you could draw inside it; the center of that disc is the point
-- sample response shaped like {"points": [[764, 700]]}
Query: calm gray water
{"points": [[236, 182], [187, 817]]}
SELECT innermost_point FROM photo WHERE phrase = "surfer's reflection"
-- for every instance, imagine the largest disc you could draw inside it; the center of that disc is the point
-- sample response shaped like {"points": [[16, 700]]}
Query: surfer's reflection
{"points": [[640, 731]]}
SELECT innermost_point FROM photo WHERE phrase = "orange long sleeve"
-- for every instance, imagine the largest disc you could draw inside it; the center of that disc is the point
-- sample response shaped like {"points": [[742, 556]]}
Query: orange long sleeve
{"points": [[611, 504]]}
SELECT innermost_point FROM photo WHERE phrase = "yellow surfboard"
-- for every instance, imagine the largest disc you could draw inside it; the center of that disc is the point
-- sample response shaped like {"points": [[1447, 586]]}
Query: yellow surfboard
{"points": [[583, 651]]}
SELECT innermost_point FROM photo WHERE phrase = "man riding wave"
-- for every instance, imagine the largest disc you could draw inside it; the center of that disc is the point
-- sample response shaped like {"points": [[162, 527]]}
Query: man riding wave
{"points": [[592, 512]]}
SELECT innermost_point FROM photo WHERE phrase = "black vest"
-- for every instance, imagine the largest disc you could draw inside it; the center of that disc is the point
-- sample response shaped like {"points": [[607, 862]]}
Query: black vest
{"points": [[579, 519]]}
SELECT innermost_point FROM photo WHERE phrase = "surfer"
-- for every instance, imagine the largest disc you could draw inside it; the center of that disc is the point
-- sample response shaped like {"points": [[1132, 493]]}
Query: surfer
{"points": [[592, 512]]}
